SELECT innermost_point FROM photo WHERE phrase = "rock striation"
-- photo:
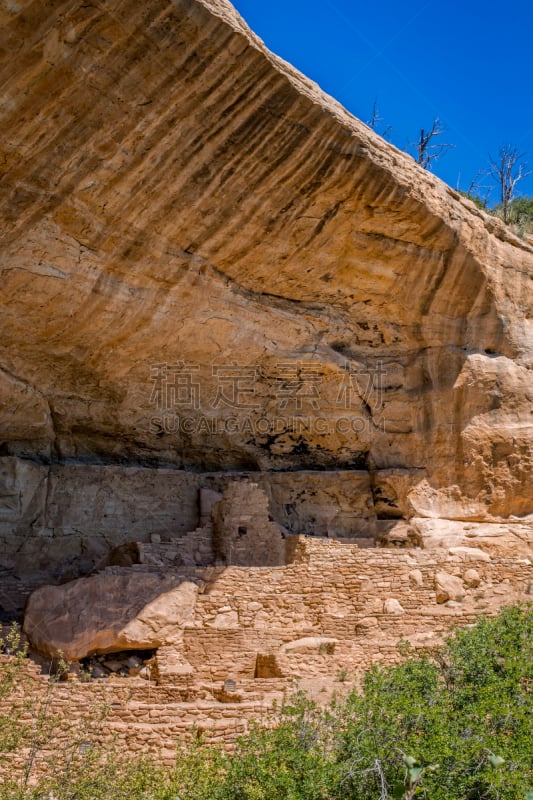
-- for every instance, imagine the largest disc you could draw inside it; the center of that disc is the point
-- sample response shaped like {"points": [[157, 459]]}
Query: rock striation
{"points": [[209, 264]]}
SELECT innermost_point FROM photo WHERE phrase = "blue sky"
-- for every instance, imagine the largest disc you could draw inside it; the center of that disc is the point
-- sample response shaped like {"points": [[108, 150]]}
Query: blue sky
{"points": [[468, 63]]}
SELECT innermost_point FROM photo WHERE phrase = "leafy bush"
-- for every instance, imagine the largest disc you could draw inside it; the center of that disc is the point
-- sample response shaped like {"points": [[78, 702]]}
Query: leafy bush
{"points": [[464, 710], [519, 215]]}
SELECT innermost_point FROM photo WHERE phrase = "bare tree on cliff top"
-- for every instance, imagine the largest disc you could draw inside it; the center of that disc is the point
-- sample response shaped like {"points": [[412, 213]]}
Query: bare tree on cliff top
{"points": [[427, 150], [507, 171], [376, 119]]}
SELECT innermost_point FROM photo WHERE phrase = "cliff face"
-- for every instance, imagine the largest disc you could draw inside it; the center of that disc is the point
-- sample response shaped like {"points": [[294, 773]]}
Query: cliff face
{"points": [[208, 264]]}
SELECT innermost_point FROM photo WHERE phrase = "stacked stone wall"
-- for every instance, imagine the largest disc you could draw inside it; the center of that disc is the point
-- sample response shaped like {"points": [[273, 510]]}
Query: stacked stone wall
{"points": [[318, 623]]}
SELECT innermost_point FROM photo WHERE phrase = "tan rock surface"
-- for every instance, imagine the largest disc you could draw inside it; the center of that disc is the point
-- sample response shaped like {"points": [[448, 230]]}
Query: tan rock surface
{"points": [[173, 194], [393, 606], [310, 644], [472, 578], [448, 587], [58, 521], [110, 613]]}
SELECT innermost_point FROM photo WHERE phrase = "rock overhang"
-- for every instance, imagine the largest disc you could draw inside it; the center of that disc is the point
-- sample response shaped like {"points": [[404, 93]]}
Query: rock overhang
{"points": [[200, 207]]}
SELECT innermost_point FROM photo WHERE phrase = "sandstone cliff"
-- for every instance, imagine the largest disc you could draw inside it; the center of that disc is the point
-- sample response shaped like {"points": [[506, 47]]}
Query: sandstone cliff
{"points": [[208, 264]]}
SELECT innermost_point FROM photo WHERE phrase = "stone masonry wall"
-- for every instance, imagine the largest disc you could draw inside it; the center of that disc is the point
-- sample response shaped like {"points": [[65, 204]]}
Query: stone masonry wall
{"points": [[317, 623], [58, 521], [52, 515], [244, 533]]}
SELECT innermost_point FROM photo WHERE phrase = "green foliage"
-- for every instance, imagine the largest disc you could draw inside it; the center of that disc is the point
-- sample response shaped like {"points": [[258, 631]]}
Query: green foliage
{"points": [[521, 208], [199, 773], [342, 674], [12, 730], [93, 777], [519, 214], [458, 711], [294, 761], [479, 202], [455, 724]]}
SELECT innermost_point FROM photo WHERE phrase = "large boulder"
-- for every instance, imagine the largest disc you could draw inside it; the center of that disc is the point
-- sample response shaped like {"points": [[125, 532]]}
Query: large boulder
{"points": [[108, 613], [448, 587]]}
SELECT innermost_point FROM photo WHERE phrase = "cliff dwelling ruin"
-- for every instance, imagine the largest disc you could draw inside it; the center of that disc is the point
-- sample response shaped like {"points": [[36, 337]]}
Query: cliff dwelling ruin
{"points": [[265, 384]]}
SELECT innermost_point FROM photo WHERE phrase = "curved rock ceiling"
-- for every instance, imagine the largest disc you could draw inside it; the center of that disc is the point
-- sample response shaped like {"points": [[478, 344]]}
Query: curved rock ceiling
{"points": [[208, 263]]}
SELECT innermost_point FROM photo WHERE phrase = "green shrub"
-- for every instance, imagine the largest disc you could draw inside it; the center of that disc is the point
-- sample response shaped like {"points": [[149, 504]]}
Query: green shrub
{"points": [[472, 701]]}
